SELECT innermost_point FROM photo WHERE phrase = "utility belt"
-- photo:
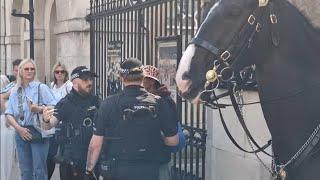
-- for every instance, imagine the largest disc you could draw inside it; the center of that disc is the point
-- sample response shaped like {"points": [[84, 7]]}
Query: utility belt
{"points": [[74, 134], [109, 169]]}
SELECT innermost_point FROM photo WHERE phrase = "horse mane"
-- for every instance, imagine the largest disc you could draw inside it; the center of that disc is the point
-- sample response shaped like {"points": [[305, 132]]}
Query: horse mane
{"points": [[310, 9]]}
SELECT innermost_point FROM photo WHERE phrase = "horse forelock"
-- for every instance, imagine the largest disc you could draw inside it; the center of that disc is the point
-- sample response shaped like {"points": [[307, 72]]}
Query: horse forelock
{"points": [[310, 9]]}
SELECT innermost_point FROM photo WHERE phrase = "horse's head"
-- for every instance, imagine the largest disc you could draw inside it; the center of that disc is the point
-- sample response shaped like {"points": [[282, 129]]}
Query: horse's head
{"points": [[221, 39]]}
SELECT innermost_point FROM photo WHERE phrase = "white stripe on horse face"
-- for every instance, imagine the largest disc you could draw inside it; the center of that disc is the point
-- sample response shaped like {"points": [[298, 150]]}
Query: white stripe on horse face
{"points": [[184, 66]]}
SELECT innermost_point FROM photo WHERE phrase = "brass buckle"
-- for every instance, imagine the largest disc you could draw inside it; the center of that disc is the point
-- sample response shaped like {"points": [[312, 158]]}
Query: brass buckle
{"points": [[258, 27], [225, 55], [273, 19], [263, 3], [251, 19]]}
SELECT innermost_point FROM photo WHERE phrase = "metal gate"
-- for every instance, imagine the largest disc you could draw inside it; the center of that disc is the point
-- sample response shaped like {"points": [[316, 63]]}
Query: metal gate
{"points": [[130, 28]]}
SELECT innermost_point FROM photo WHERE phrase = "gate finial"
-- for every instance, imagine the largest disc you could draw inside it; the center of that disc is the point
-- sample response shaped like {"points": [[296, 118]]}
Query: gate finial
{"points": [[263, 3]]}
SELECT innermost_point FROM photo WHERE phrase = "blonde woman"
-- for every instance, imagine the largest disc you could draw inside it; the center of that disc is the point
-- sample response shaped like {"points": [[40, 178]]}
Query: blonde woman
{"points": [[61, 86], [22, 108]]}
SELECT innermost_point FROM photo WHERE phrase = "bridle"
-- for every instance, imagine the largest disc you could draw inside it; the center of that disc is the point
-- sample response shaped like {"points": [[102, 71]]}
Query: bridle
{"points": [[241, 41], [222, 70]]}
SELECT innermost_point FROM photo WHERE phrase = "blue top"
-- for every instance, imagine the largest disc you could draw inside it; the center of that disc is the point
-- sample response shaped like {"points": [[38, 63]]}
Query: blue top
{"points": [[182, 141], [29, 92]]}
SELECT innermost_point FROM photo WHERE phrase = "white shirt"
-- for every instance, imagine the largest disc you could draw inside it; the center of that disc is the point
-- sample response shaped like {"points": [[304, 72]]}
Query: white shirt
{"points": [[62, 91]]}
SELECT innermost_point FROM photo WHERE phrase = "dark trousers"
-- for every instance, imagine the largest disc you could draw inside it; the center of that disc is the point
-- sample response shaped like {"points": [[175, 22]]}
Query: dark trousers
{"points": [[51, 165], [53, 149], [68, 172], [136, 171]]}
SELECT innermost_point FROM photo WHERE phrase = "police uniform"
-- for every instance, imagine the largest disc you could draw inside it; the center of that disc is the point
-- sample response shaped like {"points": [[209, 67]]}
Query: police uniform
{"points": [[76, 114], [132, 122]]}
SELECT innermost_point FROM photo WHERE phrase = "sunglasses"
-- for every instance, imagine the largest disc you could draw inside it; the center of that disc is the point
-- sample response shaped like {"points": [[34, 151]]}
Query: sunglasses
{"points": [[29, 69], [59, 72]]}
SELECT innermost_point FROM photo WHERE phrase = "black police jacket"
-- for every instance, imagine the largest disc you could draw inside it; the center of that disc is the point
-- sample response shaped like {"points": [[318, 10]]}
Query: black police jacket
{"points": [[76, 114], [111, 114]]}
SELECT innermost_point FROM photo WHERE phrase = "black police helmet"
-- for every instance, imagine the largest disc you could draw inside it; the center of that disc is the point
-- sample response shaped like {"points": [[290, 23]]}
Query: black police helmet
{"points": [[131, 66], [82, 72]]}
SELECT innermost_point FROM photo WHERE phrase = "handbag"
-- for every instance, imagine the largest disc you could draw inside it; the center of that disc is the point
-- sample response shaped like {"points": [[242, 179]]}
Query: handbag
{"points": [[36, 135]]}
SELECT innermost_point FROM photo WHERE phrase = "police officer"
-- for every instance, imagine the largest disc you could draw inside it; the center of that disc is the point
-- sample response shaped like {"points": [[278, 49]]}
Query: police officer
{"points": [[135, 125], [75, 114]]}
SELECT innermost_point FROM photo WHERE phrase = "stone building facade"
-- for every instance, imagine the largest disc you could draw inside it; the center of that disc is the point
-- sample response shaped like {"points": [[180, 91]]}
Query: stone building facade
{"points": [[61, 34]]}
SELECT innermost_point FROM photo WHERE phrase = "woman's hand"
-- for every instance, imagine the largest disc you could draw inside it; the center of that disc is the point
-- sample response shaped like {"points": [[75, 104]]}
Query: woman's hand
{"points": [[34, 107], [24, 133]]}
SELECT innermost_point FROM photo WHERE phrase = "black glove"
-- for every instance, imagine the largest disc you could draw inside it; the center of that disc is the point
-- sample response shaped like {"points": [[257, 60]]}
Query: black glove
{"points": [[89, 175]]}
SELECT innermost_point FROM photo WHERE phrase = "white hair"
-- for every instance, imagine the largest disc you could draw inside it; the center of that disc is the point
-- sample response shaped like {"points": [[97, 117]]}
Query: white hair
{"points": [[21, 66]]}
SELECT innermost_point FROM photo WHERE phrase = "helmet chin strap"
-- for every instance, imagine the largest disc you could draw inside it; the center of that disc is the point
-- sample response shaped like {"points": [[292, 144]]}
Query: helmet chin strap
{"points": [[263, 3]]}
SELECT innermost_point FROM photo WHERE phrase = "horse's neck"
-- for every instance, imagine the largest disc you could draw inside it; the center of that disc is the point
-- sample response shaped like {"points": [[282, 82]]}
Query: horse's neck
{"points": [[310, 9], [295, 62]]}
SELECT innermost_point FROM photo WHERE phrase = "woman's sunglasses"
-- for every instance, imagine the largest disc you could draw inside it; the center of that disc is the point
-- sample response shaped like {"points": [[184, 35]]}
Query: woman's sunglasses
{"points": [[29, 69], [59, 72]]}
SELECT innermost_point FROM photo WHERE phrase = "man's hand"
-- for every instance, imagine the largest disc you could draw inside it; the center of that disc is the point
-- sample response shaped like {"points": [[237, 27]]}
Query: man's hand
{"points": [[89, 175], [47, 114]]}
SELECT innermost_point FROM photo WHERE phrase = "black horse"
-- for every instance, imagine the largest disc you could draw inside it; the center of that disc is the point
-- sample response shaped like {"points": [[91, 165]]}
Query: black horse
{"points": [[285, 48]]}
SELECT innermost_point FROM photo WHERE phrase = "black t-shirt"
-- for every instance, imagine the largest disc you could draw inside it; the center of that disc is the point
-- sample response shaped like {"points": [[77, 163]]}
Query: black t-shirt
{"points": [[108, 113]]}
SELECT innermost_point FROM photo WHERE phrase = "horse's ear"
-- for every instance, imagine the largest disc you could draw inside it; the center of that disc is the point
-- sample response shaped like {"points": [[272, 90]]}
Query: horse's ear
{"points": [[263, 3]]}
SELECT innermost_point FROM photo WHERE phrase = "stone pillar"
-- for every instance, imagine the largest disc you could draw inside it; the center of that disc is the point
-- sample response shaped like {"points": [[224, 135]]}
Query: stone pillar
{"points": [[10, 35], [72, 32]]}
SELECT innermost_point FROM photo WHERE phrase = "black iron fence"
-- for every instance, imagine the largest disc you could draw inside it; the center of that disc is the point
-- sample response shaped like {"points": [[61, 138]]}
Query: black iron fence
{"points": [[132, 28]]}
